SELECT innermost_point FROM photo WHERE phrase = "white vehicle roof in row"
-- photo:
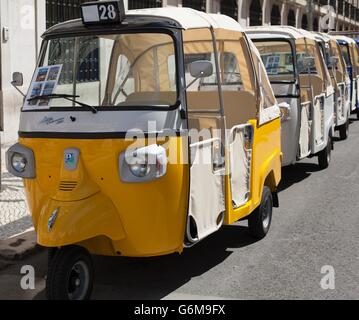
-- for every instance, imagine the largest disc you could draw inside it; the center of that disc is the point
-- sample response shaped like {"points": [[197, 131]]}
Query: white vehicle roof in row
{"points": [[344, 38], [285, 31], [191, 19], [323, 36]]}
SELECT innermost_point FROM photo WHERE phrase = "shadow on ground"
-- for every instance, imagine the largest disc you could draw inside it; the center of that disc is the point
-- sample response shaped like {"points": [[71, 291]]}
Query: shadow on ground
{"points": [[296, 173], [155, 278]]}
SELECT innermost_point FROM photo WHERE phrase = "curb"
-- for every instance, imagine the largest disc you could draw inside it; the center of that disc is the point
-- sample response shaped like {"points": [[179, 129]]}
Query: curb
{"points": [[17, 248]]}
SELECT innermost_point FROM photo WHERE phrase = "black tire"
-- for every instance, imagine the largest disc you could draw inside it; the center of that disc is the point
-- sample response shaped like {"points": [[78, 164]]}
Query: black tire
{"points": [[70, 275], [357, 114], [324, 156], [344, 130], [50, 255], [260, 220]]}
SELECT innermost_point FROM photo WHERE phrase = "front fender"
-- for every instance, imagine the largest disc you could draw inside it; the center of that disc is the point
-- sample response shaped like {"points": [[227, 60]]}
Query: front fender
{"points": [[78, 221]]}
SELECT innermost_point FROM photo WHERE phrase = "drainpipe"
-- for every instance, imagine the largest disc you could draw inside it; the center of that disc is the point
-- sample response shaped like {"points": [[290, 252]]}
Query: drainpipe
{"points": [[2, 113], [36, 7]]}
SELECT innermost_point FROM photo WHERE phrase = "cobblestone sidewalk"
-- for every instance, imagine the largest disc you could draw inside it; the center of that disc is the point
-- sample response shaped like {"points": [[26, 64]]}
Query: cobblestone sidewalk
{"points": [[14, 215]]}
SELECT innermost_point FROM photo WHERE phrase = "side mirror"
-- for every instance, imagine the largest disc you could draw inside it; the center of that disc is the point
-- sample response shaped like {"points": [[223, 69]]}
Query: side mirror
{"points": [[284, 110], [17, 79], [201, 69]]}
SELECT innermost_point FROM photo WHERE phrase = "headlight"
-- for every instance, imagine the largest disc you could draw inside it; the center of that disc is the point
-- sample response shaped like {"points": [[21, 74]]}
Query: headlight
{"points": [[18, 162], [284, 113], [143, 164], [140, 170]]}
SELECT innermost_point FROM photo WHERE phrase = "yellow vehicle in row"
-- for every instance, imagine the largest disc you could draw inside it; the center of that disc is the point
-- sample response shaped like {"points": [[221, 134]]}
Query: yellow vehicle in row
{"points": [[176, 134]]}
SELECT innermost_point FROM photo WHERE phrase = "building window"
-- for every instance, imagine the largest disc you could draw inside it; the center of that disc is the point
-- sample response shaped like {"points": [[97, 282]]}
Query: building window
{"points": [[291, 18], [340, 6], [62, 10], [275, 15], [305, 22], [141, 4], [352, 11], [195, 4], [58, 11], [255, 13], [347, 10], [315, 24], [230, 8], [333, 3]]}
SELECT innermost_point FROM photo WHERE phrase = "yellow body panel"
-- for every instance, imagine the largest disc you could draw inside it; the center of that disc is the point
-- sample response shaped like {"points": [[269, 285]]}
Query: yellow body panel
{"points": [[144, 219], [266, 169], [110, 217]]}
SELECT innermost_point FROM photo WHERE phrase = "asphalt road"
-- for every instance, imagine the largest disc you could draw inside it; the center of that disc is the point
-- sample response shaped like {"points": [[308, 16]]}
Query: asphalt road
{"points": [[316, 225]]}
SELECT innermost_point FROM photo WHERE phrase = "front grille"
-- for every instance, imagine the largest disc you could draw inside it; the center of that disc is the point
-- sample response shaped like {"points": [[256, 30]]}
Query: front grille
{"points": [[68, 185]]}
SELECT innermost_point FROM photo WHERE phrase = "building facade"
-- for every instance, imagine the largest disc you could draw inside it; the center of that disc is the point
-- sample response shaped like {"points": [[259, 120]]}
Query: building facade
{"points": [[23, 21]]}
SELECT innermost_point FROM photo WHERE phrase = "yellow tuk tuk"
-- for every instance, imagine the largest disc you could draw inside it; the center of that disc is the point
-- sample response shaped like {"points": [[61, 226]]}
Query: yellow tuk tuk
{"points": [[143, 133]]}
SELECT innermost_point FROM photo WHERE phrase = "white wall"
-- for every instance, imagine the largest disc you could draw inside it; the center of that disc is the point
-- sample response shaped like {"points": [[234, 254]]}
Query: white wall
{"points": [[26, 21]]}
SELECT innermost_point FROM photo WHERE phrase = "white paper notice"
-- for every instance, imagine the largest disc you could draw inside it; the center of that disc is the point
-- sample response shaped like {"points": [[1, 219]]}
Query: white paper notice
{"points": [[44, 83], [91, 13]]}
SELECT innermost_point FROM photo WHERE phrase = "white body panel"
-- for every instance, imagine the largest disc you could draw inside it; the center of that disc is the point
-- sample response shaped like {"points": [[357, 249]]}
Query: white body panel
{"points": [[240, 165], [103, 121], [207, 201]]}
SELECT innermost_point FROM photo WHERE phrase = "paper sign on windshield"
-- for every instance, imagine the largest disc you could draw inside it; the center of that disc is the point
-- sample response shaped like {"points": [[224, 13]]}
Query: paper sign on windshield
{"points": [[44, 82]]}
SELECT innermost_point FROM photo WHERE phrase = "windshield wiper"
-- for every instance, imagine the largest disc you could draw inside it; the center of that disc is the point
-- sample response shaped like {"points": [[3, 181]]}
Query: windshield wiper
{"points": [[68, 97]]}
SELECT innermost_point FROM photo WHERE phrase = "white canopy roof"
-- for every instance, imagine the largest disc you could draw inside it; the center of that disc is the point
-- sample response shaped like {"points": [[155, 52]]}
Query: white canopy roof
{"points": [[191, 19], [286, 31], [344, 38], [323, 36]]}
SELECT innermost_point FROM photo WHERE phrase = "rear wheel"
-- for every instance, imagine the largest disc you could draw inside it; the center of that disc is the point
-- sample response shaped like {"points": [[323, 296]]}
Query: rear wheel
{"points": [[260, 220], [358, 114], [324, 156], [70, 274], [344, 130]]}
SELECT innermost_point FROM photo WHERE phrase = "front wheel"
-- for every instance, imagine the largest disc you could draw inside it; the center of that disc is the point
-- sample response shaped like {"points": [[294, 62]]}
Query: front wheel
{"points": [[324, 156], [260, 220], [344, 130], [70, 275]]}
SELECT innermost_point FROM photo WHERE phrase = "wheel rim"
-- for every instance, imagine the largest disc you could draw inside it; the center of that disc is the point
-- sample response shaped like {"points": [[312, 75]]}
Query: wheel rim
{"points": [[78, 281], [266, 215]]}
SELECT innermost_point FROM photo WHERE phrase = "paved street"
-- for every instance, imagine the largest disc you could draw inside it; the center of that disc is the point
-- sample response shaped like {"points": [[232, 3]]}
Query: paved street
{"points": [[316, 225]]}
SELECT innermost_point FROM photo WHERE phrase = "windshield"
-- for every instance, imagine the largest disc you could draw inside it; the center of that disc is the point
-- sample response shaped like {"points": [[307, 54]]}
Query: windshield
{"points": [[117, 70], [277, 57], [325, 50], [345, 52]]}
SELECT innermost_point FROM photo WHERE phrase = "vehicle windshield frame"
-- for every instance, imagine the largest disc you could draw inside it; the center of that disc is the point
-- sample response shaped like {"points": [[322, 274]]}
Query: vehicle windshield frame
{"points": [[174, 33], [292, 46], [346, 44]]}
